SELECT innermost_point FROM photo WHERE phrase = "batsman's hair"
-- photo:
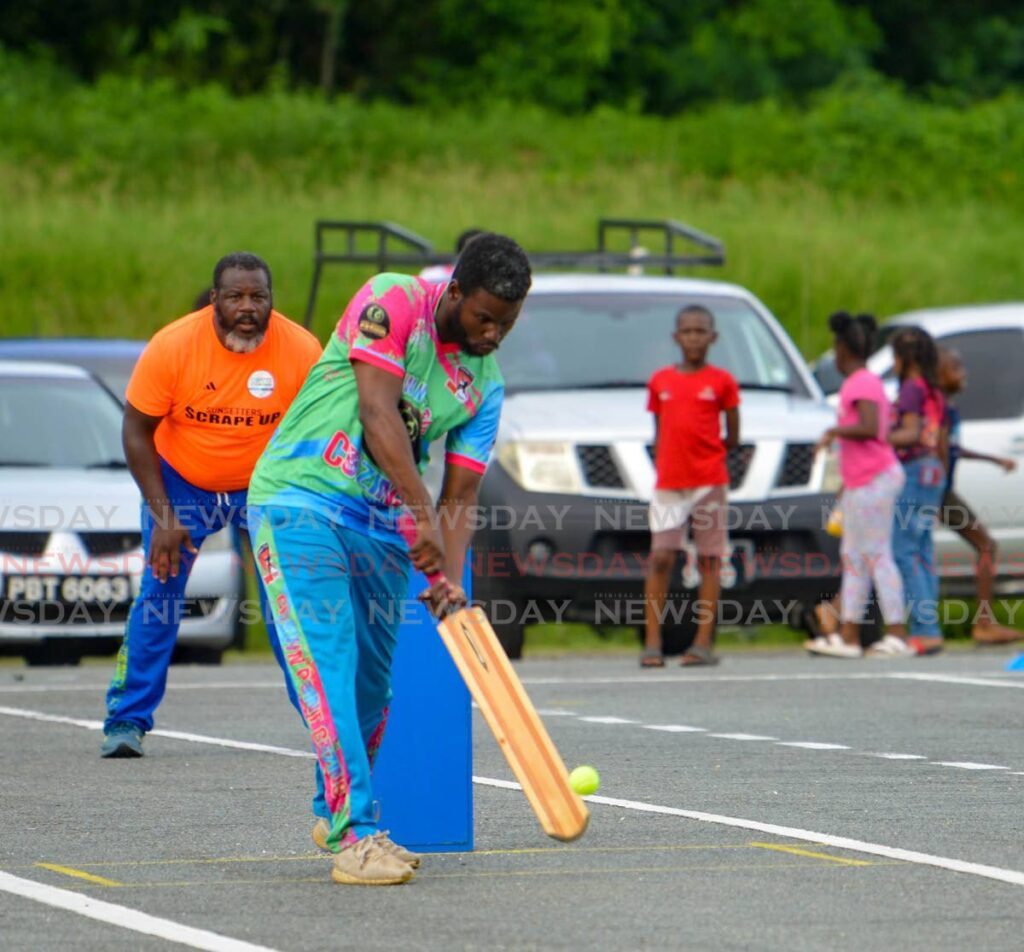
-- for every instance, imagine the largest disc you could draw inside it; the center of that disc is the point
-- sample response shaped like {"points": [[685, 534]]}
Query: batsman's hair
{"points": [[465, 238], [856, 332], [244, 260], [495, 263], [916, 348]]}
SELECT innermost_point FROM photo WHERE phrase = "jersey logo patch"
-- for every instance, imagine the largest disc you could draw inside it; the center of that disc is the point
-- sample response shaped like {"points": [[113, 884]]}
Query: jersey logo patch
{"points": [[461, 384], [374, 322]]}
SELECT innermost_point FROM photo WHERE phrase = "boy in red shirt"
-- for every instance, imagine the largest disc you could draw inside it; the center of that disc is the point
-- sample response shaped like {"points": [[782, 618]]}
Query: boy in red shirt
{"points": [[688, 401]]}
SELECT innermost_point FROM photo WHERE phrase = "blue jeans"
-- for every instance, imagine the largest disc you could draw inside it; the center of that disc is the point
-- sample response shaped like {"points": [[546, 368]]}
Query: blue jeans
{"points": [[916, 511], [141, 676], [338, 597]]}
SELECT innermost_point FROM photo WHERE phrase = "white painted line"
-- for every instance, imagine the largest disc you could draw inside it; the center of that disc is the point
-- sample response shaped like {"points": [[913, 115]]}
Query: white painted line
{"points": [[967, 765], [607, 720], [234, 744], [1012, 876], [700, 678], [811, 745], [173, 735], [550, 712], [51, 718], [957, 679], [742, 737], [124, 917], [674, 728], [900, 756]]}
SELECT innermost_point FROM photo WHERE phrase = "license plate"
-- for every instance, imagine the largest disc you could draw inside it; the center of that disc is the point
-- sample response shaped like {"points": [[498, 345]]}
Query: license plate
{"points": [[71, 589]]}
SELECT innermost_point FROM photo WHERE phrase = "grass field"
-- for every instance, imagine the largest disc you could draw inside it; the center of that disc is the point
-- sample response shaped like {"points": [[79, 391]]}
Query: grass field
{"points": [[101, 262]]}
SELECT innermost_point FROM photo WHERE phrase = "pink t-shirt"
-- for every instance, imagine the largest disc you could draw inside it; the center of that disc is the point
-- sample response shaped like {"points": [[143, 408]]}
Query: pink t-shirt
{"points": [[860, 461]]}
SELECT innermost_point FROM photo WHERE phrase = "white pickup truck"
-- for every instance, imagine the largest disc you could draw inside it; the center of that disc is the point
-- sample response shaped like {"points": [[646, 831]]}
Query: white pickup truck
{"points": [[563, 530]]}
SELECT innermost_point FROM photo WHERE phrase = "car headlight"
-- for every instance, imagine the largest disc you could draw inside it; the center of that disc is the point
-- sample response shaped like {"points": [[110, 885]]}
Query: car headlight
{"points": [[830, 479], [542, 467]]}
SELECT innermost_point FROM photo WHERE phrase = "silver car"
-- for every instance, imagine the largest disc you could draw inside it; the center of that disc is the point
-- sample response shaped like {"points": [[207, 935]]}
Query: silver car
{"points": [[71, 554]]}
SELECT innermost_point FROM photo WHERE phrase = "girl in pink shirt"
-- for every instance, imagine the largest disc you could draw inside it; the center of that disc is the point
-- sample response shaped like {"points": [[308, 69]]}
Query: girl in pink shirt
{"points": [[872, 480]]}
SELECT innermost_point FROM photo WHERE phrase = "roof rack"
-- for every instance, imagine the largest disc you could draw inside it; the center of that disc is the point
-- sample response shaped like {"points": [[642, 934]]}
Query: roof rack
{"points": [[386, 245]]}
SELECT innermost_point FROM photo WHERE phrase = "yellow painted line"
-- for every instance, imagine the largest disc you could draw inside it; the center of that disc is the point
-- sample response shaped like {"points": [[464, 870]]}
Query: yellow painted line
{"points": [[565, 850], [307, 857], [79, 874], [796, 851], [216, 861], [490, 874]]}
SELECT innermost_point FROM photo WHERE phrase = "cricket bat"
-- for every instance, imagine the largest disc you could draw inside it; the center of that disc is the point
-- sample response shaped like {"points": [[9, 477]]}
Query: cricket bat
{"points": [[498, 692]]}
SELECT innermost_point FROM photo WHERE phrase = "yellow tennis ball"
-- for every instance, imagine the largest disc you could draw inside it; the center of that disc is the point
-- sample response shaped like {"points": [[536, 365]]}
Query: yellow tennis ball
{"points": [[584, 780]]}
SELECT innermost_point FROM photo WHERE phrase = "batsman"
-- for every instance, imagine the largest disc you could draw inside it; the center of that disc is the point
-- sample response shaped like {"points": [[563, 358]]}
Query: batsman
{"points": [[338, 491]]}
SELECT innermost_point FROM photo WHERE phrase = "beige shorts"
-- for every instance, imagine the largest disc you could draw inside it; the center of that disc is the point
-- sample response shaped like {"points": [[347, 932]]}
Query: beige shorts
{"points": [[704, 510]]}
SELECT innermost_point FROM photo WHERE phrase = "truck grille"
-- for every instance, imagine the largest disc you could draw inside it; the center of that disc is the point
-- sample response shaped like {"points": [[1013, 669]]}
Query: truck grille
{"points": [[24, 543], [110, 543], [796, 465], [599, 468], [737, 462]]}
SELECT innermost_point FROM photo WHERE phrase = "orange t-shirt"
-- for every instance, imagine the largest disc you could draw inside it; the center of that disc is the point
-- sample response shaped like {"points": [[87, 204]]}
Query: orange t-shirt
{"points": [[219, 408]]}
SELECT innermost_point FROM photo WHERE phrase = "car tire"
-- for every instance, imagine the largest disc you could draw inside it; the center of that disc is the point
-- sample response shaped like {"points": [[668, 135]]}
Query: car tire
{"points": [[197, 654], [52, 654], [512, 638], [675, 639]]}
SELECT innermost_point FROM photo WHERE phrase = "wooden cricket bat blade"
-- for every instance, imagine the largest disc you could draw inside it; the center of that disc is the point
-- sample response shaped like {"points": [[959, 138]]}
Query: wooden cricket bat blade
{"points": [[514, 721]]}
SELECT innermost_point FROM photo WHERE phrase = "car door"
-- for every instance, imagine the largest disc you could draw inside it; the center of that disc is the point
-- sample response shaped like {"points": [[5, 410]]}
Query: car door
{"points": [[992, 413]]}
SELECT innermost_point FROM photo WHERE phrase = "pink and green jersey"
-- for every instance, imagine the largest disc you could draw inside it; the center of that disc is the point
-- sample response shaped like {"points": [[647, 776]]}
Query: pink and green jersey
{"points": [[316, 458]]}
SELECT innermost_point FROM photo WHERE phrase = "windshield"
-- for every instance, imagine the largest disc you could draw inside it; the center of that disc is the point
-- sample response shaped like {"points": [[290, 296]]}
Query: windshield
{"points": [[58, 422], [571, 341]]}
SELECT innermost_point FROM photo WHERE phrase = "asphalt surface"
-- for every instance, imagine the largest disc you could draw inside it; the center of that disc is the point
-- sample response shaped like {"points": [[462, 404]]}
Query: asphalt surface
{"points": [[216, 839]]}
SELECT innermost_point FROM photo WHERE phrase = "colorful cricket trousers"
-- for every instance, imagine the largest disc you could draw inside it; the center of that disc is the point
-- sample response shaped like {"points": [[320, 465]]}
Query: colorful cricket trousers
{"points": [[141, 674], [337, 595]]}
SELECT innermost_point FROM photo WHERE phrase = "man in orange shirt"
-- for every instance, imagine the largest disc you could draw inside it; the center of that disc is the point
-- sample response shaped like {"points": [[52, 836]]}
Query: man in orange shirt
{"points": [[202, 402]]}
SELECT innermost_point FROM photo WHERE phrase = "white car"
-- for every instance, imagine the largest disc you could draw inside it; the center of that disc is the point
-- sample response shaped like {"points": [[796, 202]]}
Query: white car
{"points": [[70, 542], [990, 339]]}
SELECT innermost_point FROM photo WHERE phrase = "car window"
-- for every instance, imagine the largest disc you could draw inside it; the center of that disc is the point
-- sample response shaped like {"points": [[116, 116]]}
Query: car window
{"points": [[58, 422], [827, 374], [995, 384], [568, 341]]}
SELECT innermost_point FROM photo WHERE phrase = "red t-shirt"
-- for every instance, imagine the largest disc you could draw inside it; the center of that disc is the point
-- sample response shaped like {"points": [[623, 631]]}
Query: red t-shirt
{"points": [[689, 406]]}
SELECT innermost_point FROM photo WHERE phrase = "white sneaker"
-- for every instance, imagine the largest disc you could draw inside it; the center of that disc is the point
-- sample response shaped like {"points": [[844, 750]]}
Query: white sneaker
{"points": [[832, 646], [889, 646]]}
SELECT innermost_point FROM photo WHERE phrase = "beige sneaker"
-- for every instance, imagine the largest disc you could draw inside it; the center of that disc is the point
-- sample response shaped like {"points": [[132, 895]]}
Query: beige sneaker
{"points": [[321, 830], [367, 863]]}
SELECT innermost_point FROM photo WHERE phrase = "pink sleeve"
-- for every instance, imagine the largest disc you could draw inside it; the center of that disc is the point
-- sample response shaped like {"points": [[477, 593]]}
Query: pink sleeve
{"points": [[377, 329]]}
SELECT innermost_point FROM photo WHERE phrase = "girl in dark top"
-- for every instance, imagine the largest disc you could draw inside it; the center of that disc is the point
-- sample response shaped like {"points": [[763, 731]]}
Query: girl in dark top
{"points": [[919, 437]]}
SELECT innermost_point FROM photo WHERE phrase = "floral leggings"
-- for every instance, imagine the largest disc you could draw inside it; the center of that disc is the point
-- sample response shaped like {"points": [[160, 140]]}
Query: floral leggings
{"points": [[867, 548]]}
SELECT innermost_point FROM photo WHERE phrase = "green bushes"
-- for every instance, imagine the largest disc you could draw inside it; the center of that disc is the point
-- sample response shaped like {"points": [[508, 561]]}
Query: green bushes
{"points": [[119, 197], [860, 139]]}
